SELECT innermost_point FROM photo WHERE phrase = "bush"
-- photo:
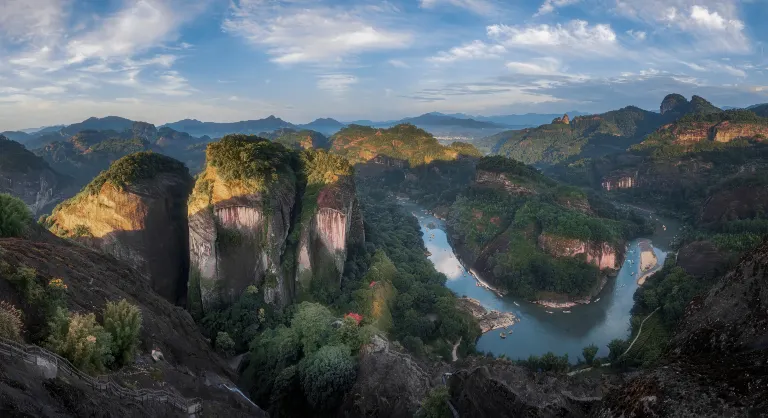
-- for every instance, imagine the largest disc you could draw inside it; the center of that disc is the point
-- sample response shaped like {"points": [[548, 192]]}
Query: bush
{"points": [[81, 340], [617, 347], [327, 375], [436, 404], [123, 323], [589, 353], [312, 324], [11, 324], [14, 216], [225, 344]]}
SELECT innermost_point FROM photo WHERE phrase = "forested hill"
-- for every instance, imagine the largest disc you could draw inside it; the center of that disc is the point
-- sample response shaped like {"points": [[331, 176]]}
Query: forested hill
{"points": [[403, 142], [593, 135]]}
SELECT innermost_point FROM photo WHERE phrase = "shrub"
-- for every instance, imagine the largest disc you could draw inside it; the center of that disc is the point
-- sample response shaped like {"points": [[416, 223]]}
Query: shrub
{"points": [[123, 323], [224, 344], [436, 404], [81, 340], [589, 353], [327, 375], [14, 216], [11, 324]]}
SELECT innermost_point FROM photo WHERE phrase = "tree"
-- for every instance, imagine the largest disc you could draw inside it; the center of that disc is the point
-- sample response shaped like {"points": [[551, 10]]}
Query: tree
{"points": [[436, 404], [11, 323], [617, 347], [312, 324], [14, 216], [81, 340], [589, 352], [327, 375], [123, 322], [225, 344]]}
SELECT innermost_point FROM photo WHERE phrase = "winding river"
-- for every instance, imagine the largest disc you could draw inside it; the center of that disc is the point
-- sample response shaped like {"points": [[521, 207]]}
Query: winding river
{"points": [[538, 331]]}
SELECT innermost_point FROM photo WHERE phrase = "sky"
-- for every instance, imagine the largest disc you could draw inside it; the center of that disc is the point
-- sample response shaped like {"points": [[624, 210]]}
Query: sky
{"points": [[62, 61]]}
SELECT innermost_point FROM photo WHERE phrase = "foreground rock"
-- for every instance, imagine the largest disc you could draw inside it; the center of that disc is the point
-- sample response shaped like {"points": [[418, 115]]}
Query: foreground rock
{"points": [[136, 211], [488, 320]]}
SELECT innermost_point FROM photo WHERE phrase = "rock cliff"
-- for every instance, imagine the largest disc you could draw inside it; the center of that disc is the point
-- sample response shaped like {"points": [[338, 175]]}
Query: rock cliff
{"points": [[500, 180], [600, 254], [30, 178], [136, 211], [240, 215]]}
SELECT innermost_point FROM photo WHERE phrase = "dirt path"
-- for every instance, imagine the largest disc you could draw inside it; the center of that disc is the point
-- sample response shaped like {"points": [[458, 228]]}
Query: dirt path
{"points": [[455, 347], [639, 331]]}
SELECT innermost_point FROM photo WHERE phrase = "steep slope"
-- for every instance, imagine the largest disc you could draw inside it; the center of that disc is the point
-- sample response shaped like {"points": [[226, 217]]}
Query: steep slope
{"points": [[240, 215], [190, 368], [30, 178], [330, 220], [404, 142], [136, 210]]}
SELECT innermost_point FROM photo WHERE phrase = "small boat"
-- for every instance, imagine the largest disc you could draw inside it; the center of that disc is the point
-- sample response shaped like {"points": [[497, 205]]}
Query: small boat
{"points": [[597, 300], [516, 304], [566, 311], [550, 312], [503, 335]]}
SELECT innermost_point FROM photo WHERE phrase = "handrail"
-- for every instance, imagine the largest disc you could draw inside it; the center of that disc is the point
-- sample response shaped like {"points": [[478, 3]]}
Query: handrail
{"points": [[33, 353]]}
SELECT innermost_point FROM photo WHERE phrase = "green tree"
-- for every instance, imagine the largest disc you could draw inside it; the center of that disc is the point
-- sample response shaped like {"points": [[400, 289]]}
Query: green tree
{"points": [[14, 216], [312, 324], [436, 404], [81, 340], [617, 347], [327, 375], [225, 344], [589, 352], [123, 322]]}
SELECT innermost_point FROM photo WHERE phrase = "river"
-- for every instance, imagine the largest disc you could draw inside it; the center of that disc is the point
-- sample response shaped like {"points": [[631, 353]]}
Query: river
{"points": [[538, 331]]}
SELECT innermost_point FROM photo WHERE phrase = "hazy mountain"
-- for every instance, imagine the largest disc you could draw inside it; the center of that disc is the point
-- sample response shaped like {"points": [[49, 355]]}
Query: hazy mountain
{"points": [[325, 126], [18, 136], [114, 123], [526, 120], [215, 129]]}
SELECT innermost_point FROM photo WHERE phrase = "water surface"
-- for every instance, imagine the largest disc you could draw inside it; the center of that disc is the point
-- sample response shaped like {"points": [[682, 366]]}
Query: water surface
{"points": [[539, 331]]}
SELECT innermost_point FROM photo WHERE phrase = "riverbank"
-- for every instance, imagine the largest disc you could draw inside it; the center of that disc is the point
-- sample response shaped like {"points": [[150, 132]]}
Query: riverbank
{"points": [[488, 320], [648, 260]]}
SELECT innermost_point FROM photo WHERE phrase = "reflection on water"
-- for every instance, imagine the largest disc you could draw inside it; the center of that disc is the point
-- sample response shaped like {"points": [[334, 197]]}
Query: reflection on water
{"points": [[538, 331]]}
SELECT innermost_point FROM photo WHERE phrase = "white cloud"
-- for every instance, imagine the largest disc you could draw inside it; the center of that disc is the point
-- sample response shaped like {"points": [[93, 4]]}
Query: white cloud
{"points": [[549, 6], [45, 90], [713, 66], [471, 51], [336, 83], [37, 21], [714, 24], [541, 66], [575, 36], [398, 64], [637, 34], [482, 7], [301, 35]]}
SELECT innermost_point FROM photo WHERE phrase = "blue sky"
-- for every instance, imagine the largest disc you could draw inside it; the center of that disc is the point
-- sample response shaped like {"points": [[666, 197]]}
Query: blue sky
{"points": [[226, 60]]}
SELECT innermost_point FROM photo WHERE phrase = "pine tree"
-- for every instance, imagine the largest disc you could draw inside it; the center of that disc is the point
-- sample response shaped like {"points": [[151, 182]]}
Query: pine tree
{"points": [[123, 321]]}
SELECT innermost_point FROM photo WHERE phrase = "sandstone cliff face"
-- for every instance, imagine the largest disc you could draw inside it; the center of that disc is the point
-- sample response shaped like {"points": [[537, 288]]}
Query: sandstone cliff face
{"points": [[143, 224], [237, 238], [336, 224], [728, 131], [496, 179], [601, 255], [30, 178]]}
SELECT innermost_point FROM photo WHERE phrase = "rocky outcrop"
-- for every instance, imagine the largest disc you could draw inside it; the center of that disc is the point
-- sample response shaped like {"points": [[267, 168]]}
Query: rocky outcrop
{"points": [[390, 383], [733, 201], [488, 320], [389, 161], [237, 238], [702, 259], [190, 367], [336, 224], [501, 180], [564, 120], [672, 102], [136, 211], [30, 178], [716, 366], [728, 131], [602, 255]]}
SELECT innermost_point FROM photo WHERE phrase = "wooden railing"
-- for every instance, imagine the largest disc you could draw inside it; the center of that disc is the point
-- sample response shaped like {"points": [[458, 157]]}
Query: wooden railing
{"points": [[33, 354]]}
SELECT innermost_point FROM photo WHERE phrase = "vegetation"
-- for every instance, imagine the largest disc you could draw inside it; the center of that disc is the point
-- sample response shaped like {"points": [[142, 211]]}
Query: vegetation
{"points": [[15, 158], [303, 139], [589, 352], [250, 160], [224, 344], [133, 168], [405, 142], [123, 323], [549, 362], [11, 322], [14, 216], [436, 404], [327, 375], [81, 340]]}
